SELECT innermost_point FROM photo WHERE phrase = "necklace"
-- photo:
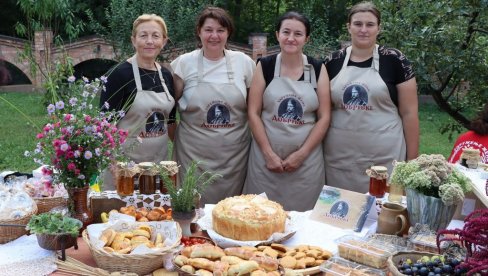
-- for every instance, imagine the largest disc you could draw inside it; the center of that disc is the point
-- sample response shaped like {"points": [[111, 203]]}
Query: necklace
{"points": [[149, 75]]}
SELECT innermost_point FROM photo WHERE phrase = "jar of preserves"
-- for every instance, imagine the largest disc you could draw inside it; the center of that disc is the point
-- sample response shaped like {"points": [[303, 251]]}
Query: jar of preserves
{"points": [[124, 179], [170, 168], [147, 178], [377, 180]]}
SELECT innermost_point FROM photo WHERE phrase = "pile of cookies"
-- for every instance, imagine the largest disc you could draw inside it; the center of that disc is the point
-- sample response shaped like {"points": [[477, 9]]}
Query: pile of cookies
{"points": [[125, 242], [207, 259], [298, 257]]}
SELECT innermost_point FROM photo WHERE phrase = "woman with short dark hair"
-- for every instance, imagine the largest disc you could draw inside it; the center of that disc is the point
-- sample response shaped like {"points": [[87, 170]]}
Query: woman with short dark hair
{"points": [[211, 86]]}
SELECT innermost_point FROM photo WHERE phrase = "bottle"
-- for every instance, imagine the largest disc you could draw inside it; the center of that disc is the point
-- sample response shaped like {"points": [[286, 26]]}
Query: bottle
{"points": [[377, 181]]}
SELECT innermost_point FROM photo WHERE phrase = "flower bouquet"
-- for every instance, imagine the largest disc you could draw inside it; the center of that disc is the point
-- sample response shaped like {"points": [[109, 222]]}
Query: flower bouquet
{"points": [[434, 188], [79, 140]]}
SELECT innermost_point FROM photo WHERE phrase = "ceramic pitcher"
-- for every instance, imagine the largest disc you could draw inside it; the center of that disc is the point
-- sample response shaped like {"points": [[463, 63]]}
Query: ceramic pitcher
{"points": [[393, 220]]}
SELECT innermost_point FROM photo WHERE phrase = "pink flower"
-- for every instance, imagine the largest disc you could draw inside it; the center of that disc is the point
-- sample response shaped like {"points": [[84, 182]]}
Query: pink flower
{"points": [[70, 154], [87, 118], [57, 142], [77, 171], [46, 171], [71, 166], [40, 136], [67, 117]]}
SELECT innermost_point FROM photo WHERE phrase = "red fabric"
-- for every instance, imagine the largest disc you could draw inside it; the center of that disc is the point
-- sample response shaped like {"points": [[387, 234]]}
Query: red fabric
{"points": [[470, 140]]}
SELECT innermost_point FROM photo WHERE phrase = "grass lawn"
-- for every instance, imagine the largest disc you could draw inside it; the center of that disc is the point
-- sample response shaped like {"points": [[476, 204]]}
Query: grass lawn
{"points": [[17, 133]]}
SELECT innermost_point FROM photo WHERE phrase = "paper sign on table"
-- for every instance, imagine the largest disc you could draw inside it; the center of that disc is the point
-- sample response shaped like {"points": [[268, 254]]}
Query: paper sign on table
{"points": [[342, 208]]}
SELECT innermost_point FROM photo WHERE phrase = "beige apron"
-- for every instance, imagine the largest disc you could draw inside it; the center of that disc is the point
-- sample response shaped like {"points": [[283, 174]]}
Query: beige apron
{"points": [[366, 128], [288, 115], [146, 120], [213, 129]]}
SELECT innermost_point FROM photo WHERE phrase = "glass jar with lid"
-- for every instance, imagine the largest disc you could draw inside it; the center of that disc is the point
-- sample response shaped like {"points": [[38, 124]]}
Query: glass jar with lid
{"points": [[124, 178], [147, 178], [171, 169], [378, 176]]}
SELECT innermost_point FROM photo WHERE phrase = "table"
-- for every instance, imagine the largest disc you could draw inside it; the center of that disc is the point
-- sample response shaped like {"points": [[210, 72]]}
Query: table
{"points": [[479, 183]]}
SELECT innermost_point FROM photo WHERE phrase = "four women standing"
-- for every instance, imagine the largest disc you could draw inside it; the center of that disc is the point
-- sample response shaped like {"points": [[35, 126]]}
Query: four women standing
{"points": [[374, 108]]}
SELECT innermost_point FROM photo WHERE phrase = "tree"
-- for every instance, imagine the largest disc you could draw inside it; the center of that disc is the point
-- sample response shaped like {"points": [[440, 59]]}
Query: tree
{"points": [[179, 16], [56, 16], [448, 44]]}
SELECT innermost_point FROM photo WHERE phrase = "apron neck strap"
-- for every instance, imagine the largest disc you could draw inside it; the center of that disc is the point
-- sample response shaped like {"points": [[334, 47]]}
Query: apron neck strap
{"points": [[230, 72], [308, 71], [376, 58], [137, 76], [135, 70]]}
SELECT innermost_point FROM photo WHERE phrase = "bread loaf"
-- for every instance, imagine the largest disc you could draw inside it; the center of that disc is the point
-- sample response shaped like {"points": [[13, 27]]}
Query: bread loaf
{"points": [[248, 218]]}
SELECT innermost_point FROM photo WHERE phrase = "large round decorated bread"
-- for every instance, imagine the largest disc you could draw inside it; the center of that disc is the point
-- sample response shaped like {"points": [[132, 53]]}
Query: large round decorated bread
{"points": [[248, 218]]}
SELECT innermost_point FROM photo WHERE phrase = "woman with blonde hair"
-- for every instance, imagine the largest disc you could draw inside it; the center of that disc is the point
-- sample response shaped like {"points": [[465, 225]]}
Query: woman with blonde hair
{"points": [[143, 89]]}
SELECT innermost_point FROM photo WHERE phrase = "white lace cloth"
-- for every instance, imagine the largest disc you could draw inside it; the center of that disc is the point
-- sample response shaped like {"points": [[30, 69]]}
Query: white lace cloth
{"points": [[23, 256], [148, 201]]}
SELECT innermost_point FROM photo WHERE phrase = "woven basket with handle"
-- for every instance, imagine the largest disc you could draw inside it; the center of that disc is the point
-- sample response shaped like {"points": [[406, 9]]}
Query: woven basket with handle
{"points": [[11, 229], [141, 264]]}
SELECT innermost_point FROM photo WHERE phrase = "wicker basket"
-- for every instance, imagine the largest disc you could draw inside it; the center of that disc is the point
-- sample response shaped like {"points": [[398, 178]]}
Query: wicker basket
{"points": [[394, 259], [45, 204], [10, 233], [141, 264]]}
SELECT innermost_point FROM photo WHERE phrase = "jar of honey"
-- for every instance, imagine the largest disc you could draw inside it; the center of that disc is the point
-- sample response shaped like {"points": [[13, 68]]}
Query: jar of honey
{"points": [[170, 168], [124, 179], [378, 176], [147, 178]]}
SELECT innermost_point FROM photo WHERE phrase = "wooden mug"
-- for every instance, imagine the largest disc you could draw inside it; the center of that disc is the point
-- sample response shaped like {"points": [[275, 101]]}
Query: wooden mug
{"points": [[393, 220]]}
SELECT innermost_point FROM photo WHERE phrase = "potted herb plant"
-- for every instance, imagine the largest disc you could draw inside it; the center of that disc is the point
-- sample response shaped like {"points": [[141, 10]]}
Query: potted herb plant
{"points": [[54, 231], [184, 197], [434, 187]]}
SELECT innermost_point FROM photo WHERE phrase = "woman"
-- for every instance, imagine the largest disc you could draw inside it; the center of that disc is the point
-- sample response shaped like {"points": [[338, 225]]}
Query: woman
{"points": [[374, 105], [475, 138], [144, 91], [289, 113], [211, 85]]}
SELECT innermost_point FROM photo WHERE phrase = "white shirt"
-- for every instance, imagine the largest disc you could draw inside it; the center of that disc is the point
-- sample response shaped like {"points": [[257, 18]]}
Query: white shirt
{"points": [[185, 67]]}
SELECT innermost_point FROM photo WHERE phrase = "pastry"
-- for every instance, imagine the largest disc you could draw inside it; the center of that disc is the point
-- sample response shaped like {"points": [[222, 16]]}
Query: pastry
{"points": [[363, 253], [208, 251], [248, 218]]}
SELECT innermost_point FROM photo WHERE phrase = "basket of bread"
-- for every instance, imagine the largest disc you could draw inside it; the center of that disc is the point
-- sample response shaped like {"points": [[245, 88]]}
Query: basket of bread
{"points": [[16, 209], [132, 246], [276, 259]]}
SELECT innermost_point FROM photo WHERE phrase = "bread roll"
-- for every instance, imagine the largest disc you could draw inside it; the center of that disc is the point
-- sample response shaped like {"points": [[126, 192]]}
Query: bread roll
{"points": [[243, 268], [243, 253], [207, 251], [265, 262]]}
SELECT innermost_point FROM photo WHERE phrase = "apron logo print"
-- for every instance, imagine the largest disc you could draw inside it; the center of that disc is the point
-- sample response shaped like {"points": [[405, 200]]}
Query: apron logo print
{"points": [[218, 116], [289, 111], [155, 125], [355, 98]]}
